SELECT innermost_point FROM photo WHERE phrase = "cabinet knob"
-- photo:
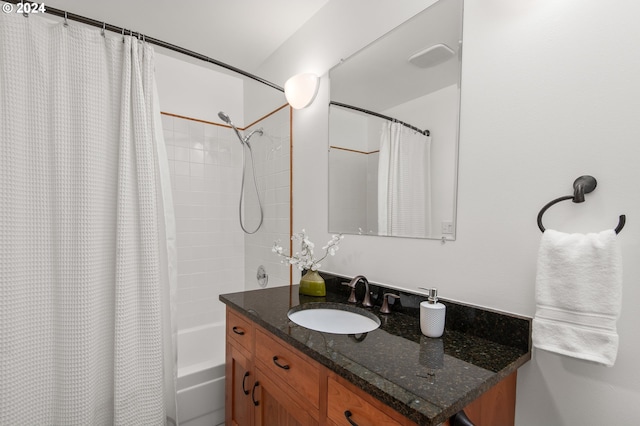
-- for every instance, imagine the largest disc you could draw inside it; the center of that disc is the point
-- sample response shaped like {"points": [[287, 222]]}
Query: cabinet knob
{"points": [[238, 331]]}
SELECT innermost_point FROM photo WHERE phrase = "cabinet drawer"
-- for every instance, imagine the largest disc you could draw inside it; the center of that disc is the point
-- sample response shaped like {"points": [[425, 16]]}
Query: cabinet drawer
{"points": [[344, 404], [240, 330], [288, 368]]}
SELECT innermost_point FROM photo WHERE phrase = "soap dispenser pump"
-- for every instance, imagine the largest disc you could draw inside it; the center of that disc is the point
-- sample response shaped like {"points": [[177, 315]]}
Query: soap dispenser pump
{"points": [[432, 315]]}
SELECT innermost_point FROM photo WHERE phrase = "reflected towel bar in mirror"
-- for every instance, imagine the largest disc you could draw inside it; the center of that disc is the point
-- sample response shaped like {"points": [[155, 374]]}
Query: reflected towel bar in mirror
{"points": [[582, 185]]}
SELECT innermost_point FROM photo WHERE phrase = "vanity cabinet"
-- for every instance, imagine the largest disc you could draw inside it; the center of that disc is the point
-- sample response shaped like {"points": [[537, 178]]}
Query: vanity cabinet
{"points": [[270, 383]]}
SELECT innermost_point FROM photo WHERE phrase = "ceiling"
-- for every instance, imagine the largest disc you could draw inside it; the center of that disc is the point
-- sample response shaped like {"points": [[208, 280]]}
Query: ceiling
{"points": [[240, 33]]}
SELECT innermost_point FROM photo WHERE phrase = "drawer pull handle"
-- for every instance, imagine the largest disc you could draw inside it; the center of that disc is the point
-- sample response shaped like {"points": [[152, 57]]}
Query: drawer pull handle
{"points": [[246, 392], [460, 419], [238, 331], [283, 366], [253, 392], [348, 415]]}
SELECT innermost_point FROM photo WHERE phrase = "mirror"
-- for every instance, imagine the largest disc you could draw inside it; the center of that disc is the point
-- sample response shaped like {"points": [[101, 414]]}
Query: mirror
{"points": [[393, 130]]}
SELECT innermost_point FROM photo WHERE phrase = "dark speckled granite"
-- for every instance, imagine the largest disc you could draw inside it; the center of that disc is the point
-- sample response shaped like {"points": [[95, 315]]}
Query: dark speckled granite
{"points": [[425, 379]]}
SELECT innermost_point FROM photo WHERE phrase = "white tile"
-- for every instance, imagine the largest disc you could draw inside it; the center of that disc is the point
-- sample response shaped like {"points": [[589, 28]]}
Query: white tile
{"points": [[181, 168], [196, 131], [199, 281], [196, 170], [181, 125], [282, 179], [210, 170], [182, 183], [185, 295], [283, 195], [196, 156], [181, 197], [181, 139], [211, 156], [198, 184], [186, 321], [282, 210], [181, 153], [170, 152], [211, 130], [167, 122], [183, 211], [184, 280]]}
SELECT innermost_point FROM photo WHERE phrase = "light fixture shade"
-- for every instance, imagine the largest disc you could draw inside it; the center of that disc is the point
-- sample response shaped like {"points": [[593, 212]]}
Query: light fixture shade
{"points": [[300, 90]]}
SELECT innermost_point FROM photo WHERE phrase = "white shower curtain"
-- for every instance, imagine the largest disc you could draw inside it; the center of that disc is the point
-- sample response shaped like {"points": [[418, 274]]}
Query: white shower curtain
{"points": [[404, 182], [86, 231]]}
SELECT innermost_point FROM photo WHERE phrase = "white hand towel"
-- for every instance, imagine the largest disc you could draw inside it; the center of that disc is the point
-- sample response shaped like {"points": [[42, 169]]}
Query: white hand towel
{"points": [[578, 295]]}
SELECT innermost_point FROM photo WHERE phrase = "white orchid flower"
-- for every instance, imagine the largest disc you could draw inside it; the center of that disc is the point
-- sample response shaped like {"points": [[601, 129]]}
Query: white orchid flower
{"points": [[304, 259]]}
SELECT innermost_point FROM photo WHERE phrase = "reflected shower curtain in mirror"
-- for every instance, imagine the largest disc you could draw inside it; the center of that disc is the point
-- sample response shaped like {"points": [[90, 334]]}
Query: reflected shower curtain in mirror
{"points": [[404, 183], [86, 230]]}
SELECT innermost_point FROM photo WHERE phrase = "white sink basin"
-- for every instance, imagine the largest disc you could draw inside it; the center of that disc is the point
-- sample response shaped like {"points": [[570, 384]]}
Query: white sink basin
{"points": [[332, 318]]}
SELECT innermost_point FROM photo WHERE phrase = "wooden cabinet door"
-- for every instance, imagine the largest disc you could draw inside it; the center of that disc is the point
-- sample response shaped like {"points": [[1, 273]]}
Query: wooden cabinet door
{"points": [[240, 379], [274, 407]]}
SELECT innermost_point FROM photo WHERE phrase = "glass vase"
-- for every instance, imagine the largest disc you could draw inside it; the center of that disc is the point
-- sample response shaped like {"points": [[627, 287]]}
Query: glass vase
{"points": [[312, 284]]}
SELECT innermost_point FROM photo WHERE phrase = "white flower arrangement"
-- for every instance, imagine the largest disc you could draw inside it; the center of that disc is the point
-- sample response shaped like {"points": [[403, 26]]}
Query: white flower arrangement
{"points": [[304, 258]]}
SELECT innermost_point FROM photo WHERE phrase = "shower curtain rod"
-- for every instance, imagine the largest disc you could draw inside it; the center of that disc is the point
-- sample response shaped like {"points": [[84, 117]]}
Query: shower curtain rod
{"points": [[386, 117], [104, 26]]}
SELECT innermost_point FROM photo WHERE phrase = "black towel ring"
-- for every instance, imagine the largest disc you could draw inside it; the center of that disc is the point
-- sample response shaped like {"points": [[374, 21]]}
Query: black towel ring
{"points": [[582, 185]]}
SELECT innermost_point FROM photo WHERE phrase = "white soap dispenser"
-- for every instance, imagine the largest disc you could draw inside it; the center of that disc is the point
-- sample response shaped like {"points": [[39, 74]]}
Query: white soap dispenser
{"points": [[432, 314]]}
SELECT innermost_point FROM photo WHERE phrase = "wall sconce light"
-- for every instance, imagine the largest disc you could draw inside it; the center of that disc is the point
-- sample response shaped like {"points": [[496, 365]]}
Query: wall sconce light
{"points": [[300, 90]]}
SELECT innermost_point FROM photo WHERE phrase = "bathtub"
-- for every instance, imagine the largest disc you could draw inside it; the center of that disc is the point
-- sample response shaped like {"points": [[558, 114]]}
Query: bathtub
{"points": [[201, 352]]}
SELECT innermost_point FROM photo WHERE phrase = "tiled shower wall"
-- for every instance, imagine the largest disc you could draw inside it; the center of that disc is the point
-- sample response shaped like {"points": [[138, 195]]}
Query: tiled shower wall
{"points": [[205, 161], [271, 154]]}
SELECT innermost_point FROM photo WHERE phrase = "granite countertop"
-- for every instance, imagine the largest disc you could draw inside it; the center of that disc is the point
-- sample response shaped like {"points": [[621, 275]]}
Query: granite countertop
{"points": [[425, 379]]}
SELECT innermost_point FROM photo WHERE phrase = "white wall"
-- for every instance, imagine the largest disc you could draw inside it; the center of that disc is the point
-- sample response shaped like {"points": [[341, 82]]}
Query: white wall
{"points": [[550, 91], [195, 90]]}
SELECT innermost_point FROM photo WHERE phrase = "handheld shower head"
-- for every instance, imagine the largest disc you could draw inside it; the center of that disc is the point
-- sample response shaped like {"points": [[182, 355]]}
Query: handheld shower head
{"points": [[224, 117], [245, 141]]}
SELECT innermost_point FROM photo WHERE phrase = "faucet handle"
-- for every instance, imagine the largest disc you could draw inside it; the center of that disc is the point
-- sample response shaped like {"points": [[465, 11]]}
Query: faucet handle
{"points": [[385, 302], [352, 297]]}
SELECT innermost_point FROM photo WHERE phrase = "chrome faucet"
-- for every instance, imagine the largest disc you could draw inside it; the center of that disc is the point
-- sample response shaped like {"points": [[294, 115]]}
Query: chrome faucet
{"points": [[366, 302]]}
